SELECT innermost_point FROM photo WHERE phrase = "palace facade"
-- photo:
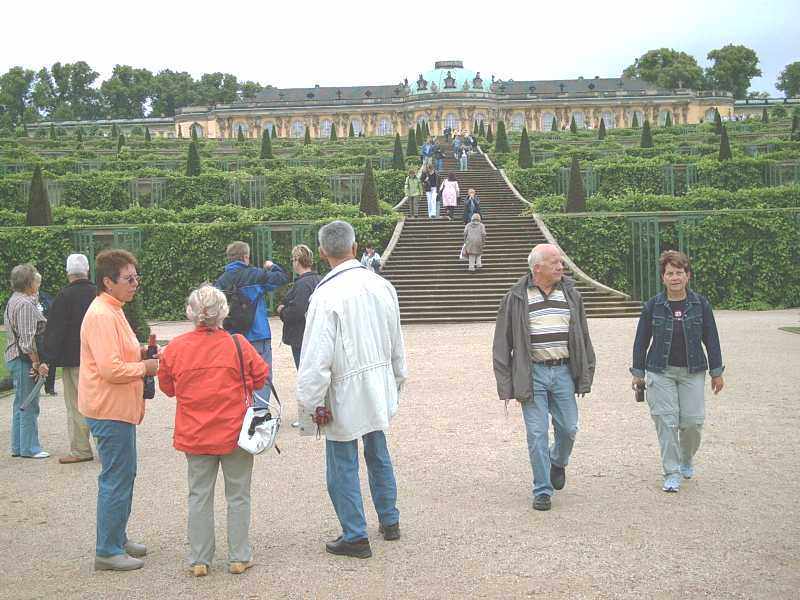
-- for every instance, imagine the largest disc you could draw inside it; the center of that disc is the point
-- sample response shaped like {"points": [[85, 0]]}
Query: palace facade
{"points": [[452, 96]]}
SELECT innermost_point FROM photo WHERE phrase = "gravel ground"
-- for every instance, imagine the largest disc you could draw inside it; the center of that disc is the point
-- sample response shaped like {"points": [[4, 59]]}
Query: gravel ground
{"points": [[465, 492]]}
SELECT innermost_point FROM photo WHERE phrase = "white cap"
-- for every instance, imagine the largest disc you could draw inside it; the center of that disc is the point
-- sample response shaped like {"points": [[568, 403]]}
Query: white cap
{"points": [[77, 264]]}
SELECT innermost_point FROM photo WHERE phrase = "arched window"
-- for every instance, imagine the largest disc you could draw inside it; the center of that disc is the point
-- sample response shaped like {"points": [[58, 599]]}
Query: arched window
{"points": [[639, 117], [236, 127], [270, 127], [358, 126], [325, 128], [422, 120], [198, 129], [662, 117], [451, 121], [709, 116], [609, 119], [298, 129], [580, 119], [480, 118], [547, 121], [517, 122], [385, 127]]}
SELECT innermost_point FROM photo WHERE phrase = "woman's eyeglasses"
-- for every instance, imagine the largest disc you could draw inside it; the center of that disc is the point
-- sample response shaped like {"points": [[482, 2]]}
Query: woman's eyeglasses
{"points": [[131, 279]]}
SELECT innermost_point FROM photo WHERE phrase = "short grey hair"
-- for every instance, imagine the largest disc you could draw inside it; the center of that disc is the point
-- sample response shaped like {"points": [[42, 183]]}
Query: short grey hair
{"points": [[337, 238], [207, 306], [536, 256], [237, 250], [77, 264], [23, 276]]}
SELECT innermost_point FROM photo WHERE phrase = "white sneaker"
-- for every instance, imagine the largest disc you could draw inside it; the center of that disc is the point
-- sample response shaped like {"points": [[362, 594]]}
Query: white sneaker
{"points": [[672, 483], [41, 454]]}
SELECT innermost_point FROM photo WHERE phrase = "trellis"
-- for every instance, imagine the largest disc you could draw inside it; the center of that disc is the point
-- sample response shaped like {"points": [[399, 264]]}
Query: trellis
{"points": [[589, 177], [346, 188], [147, 191], [248, 193]]}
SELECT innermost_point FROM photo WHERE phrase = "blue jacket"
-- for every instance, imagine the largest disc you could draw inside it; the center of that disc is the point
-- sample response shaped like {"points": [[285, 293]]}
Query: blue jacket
{"points": [[655, 325], [255, 283]]}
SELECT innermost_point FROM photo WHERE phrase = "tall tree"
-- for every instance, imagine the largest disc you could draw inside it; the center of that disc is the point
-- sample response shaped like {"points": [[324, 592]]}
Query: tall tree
{"points": [[15, 95], [193, 166], [147, 137], [668, 120], [601, 131], [38, 204], [525, 160], [481, 129], [217, 88], [351, 132], [717, 122], [266, 145], [398, 162], [418, 133], [193, 132], [79, 134], [795, 136], [789, 80], [411, 147], [724, 145], [764, 115], [120, 142], [489, 134], [635, 121], [501, 145], [180, 131], [54, 135], [334, 136], [667, 68], [734, 66], [576, 194], [369, 192], [573, 126], [475, 127], [127, 92], [65, 92], [240, 134], [554, 124], [307, 137], [171, 90], [647, 136], [114, 131], [248, 90]]}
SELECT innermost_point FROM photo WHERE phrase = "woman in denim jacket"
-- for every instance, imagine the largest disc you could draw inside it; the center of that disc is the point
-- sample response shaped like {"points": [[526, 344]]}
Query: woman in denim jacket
{"points": [[674, 324]]}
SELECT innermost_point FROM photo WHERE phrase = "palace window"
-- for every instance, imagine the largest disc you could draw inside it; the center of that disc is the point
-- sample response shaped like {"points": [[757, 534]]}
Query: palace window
{"points": [[662, 117], [609, 119], [709, 117], [358, 126], [480, 118], [298, 129], [451, 121], [270, 127], [517, 122], [547, 121], [639, 117], [198, 129], [580, 119], [422, 120], [325, 128], [385, 127], [236, 128]]}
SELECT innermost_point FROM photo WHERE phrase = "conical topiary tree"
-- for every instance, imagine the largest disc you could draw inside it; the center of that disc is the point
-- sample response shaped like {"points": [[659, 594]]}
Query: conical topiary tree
{"points": [[147, 137], [274, 132], [114, 132], [764, 115], [418, 133], [489, 135], [717, 122], [334, 136], [193, 160], [351, 132], [525, 160], [576, 194], [573, 126], [369, 192], [635, 120], [724, 145], [481, 129], [426, 130], [475, 127], [239, 134], [120, 142], [554, 124], [411, 145], [307, 137], [38, 204], [501, 145], [668, 120], [601, 131], [180, 132], [193, 132], [795, 127], [398, 162], [79, 134], [266, 146], [647, 135], [54, 135]]}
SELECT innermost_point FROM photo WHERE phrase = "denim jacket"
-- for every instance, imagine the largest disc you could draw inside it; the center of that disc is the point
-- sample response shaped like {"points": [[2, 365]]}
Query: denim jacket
{"points": [[656, 323]]}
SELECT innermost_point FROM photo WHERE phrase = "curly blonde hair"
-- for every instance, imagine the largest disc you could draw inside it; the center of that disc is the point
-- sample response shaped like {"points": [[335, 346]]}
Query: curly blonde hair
{"points": [[207, 306], [303, 255]]}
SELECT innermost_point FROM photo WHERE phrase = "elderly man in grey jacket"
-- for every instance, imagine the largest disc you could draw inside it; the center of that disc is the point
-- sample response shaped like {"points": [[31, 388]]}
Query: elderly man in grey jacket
{"points": [[542, 357], [351, 368]]}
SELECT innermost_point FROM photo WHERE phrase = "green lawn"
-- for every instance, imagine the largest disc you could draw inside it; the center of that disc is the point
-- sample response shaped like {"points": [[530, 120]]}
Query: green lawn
{"points": [[790, 329]]}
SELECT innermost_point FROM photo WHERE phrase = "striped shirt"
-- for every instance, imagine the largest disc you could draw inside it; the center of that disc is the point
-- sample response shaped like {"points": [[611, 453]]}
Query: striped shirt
{"points": [[23, 320], [548, 324]]}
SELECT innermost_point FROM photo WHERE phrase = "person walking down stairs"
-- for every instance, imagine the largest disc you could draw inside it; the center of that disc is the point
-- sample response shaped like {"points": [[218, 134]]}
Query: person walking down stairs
{"points": [[430, 183], [463, 158], [450, 193], [472, 205], [413, 191], [474, 241]]}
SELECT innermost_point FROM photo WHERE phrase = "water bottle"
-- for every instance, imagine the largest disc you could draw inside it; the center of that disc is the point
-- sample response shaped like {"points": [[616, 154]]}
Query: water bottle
{"points": [[150, 382]]}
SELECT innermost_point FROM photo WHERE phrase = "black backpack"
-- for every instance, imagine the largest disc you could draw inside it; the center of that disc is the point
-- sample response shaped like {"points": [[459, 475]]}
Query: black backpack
{"points": [[241, 310]]}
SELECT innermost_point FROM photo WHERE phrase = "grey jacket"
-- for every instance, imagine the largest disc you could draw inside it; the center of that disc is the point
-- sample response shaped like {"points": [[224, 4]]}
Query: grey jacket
{"points": [[511, 347]]}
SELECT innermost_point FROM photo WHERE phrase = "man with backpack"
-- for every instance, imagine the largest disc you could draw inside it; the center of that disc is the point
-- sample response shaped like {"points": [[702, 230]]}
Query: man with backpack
{"points": [[244, 286]]}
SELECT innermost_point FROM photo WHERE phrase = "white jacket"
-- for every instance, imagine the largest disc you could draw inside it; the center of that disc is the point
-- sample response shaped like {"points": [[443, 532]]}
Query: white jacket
{"points": [[353, 357]]}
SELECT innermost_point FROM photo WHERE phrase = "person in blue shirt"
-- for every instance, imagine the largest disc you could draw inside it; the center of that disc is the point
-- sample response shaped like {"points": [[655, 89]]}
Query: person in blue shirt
{"points": [[254, 283]]}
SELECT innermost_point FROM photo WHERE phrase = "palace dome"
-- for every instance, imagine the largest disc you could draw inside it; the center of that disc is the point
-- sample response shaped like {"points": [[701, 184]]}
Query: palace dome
{"points": [[449, 76]]}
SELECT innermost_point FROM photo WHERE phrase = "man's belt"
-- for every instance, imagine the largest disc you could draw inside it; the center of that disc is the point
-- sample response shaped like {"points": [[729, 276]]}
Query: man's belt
{"points": [[557, 362]]}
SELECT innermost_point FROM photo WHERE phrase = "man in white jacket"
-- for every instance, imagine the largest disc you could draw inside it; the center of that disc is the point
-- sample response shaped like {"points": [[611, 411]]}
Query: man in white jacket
{"points": [[351, 369]]}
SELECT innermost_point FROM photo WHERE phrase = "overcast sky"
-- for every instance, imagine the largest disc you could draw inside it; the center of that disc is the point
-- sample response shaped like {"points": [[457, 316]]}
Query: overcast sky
{"points": [[348, 42]]}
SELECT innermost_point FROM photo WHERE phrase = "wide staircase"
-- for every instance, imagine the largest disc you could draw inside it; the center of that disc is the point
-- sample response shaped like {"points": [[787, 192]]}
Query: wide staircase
{"points": [[433, 285]]}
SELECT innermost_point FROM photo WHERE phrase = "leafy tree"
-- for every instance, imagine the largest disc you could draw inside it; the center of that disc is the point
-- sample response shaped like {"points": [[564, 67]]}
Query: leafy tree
{"points": [[411, 146], [554, 124], [525, 160], [734, 66], [239, 134], [481, 129], [333, 132], [65, 92], [647, 136], [147, 137], [15, 95], [789, 80], [369, 192], [573, 126], [667, 68], [171, 90], [635, 121], [54, 135], [193, 166], [217, 88], [724, 145], [717, 122], [126, 92], [601, 131], [307, 137], [266, 145], [38, 204], [764, 115], [489, 135], [668, 120], [576, 194], [351, 132], [120, 142], [398, 162], [501, 145], [248, 90], [778, 112]]}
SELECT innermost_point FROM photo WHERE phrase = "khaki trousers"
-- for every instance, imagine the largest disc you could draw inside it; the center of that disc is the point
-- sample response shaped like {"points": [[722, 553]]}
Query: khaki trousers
{"points": [[79, 434], [237, 470]]}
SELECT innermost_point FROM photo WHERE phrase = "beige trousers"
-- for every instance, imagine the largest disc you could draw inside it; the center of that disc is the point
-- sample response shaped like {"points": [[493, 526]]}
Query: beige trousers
{"points": [[79, 435]]}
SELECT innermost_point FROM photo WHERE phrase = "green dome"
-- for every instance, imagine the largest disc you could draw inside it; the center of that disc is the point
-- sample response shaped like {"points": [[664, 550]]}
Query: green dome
{"points": [[452, 72]]}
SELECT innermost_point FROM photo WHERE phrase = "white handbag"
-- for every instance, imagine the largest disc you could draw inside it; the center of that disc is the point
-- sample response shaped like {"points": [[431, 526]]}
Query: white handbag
{"points": [[261, 423]]}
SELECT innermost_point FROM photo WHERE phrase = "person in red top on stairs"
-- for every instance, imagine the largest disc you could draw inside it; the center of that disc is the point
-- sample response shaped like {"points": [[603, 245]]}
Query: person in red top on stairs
{"points": [[201, 370]]}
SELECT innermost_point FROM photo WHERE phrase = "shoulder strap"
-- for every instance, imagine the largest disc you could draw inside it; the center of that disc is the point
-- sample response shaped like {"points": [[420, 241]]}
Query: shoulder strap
{"points": [[241, 367]]}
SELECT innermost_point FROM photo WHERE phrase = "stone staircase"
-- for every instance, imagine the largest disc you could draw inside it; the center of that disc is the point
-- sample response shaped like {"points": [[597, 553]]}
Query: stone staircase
{"points": [[433, 285]]}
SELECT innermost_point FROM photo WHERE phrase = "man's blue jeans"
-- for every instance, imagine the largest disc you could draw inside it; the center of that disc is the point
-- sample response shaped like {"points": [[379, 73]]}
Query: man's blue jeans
{"points": [[24, 424], [344, 486], [553, 393], [264, 348], [116, 445]]}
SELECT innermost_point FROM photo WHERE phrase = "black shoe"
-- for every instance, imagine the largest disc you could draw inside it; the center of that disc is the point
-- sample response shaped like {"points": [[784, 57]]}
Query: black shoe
{"points": [[541, 502], [357, 549], [558, 477], [390, 532]]}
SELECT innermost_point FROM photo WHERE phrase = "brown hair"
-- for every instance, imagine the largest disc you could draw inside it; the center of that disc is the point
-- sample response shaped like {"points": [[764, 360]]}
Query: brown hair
{"points": [[109, 263], [677, 259], [451, 177], [303, 255]]}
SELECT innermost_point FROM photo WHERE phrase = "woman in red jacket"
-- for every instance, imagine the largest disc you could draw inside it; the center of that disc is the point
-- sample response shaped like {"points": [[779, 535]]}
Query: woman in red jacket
{"points": [[201, 370]]}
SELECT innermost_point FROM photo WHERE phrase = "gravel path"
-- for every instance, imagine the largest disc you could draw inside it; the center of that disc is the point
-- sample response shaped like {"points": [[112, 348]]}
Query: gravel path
{"points": [[464, 483]]}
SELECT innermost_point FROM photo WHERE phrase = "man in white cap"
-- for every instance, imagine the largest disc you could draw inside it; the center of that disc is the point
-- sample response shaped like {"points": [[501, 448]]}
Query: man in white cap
{"points": [[62, 345]]}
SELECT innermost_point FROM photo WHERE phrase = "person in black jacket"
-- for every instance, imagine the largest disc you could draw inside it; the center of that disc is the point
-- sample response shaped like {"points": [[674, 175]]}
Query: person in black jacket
{"points": [[62, 345], [430, 184], [295, 304]]}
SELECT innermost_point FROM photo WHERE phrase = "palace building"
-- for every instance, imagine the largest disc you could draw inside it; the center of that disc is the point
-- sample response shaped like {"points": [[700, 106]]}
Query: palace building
{"points": [[452, 96]]}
